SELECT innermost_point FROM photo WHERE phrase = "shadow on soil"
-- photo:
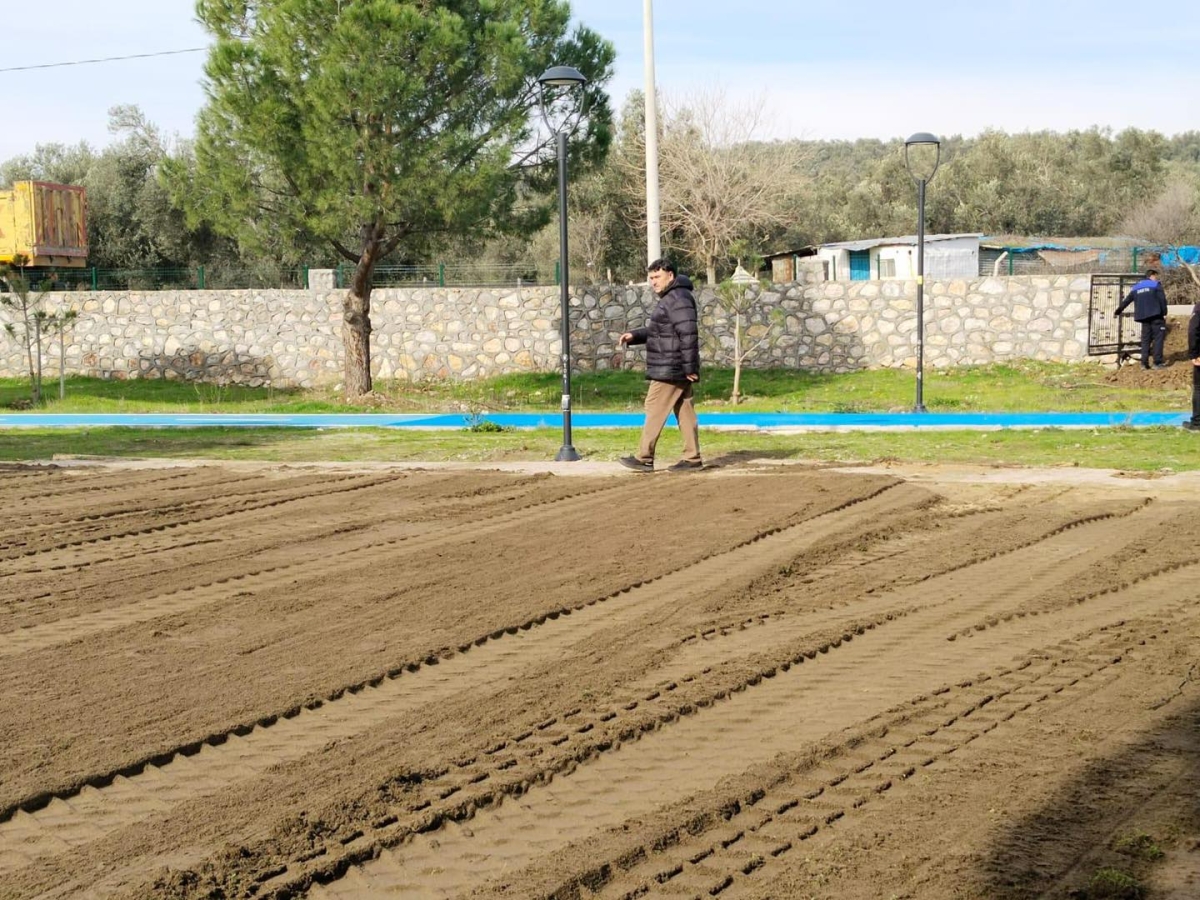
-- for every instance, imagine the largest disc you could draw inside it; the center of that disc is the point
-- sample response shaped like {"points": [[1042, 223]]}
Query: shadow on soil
{"points": [[744, 458], [1128, 826]]}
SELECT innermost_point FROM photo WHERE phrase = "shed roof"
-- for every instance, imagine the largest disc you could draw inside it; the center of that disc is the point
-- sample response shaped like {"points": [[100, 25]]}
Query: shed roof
{"points": [[903, 240], [799, 251]]}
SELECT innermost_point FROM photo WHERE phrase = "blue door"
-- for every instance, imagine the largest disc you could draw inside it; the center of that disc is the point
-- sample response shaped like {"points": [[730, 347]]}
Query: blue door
{"points": [[860, 265]]}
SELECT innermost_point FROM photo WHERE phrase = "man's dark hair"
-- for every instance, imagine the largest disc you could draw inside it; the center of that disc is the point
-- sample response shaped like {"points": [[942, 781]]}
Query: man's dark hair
{"points": [[662, 265], [1151, 273]]}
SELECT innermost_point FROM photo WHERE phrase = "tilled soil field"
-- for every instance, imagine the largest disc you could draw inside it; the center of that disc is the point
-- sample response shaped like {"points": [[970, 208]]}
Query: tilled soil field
{"points": [[227, 682]]}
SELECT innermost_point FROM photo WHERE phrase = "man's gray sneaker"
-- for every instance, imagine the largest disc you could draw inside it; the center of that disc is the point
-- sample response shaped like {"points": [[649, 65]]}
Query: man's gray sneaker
{"points": [[632, 462], [685, 465]]}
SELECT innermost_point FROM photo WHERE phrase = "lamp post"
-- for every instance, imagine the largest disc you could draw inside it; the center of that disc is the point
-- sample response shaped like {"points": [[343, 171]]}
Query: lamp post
{"points": [[922, 171], [653, 208], [566, 79]]}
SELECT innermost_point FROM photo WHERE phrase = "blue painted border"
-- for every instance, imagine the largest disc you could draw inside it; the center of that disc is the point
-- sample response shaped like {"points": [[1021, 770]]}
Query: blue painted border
{"points": [[747, 420]]}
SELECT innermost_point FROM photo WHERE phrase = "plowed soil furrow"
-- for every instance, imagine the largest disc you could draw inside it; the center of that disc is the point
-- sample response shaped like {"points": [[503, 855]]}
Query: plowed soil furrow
{"points": [[223, 645], [288, 562], [54, 484], [204, 488], [251, 682], [49, 525], [82, 817], [803, 706], [557, 743], [266, 542], [59, 556]]}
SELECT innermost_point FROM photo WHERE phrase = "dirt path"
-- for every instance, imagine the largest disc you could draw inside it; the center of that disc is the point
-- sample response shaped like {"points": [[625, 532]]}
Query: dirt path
{"points": [[759, 682]]}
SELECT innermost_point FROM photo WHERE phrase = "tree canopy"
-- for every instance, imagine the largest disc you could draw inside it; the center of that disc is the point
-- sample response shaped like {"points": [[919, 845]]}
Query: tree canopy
{"points": [[382, 125]]}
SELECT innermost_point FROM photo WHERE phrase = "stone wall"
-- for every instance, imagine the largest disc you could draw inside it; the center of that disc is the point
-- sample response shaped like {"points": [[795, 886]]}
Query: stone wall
{"points": [[289, 338]]}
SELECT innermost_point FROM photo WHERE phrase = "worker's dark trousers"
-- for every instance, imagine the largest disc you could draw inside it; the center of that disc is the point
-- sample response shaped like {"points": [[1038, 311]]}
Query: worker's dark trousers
{"points": [[1195, 395], [1154, 333]]}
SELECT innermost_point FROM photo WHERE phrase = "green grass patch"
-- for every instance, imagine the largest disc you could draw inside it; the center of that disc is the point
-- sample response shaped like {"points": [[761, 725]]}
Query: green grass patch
{"points": [[1027, 386], [1113, 884], [1149, 450], [1019, 387], [1139, 845]]}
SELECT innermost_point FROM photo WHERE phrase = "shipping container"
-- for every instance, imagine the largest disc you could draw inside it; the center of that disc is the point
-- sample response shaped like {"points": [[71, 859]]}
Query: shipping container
{"points": [[44, 223]]}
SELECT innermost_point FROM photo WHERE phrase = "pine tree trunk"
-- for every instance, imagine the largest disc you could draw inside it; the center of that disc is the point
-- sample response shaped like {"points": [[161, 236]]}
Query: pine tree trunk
{"points": [[356, 329]]}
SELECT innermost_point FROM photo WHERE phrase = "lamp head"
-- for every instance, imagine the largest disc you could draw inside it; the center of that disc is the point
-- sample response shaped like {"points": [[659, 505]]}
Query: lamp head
{"points": [[560, 97], [922, 155], [562, 76]]}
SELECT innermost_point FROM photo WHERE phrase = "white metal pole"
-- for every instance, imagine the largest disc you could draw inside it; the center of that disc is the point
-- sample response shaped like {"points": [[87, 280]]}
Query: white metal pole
{"points": [[653, 213]]}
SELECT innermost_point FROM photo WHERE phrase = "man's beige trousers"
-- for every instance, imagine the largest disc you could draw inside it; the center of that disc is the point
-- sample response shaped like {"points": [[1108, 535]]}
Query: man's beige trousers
{"points": [[664, 398]]}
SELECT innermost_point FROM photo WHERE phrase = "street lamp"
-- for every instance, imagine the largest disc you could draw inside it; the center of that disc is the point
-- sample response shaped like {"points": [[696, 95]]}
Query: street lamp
{"points": [[563, 80], [922, 153]]}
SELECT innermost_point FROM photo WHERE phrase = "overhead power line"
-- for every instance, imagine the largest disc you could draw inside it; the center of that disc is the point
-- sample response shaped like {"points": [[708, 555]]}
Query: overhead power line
{"points": [[88, 62]]}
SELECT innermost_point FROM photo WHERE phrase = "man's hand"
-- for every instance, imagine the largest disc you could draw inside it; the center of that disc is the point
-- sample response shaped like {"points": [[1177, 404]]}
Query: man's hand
{"points": [[625, 338], [1196, 362], [697, 377]]}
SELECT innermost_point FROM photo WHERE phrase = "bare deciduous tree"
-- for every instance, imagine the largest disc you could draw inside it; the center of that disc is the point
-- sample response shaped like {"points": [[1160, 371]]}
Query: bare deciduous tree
{"points": [[1172, 220], [718, 182]]}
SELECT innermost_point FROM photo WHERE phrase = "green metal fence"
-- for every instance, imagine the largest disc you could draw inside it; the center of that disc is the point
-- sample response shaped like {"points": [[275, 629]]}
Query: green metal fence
{"points": [[223, 277], [1078, 261], [196, 278], [446, 275]]}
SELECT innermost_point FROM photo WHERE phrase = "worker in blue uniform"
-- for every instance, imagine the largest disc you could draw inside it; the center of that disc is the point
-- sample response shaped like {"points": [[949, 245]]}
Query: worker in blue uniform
{"points": [[1149, 302]]}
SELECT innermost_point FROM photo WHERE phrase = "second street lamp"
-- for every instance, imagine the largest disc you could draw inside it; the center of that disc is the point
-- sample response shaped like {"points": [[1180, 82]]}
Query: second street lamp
{"points": [[922, 153], [563, 79]]}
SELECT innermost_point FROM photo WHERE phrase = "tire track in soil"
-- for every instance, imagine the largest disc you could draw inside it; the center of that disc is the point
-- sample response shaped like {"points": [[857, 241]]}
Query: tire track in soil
{"points": [[841, 690], [348, 547], [740, 845], [558, 745], [223, 760], [1068, 552]]}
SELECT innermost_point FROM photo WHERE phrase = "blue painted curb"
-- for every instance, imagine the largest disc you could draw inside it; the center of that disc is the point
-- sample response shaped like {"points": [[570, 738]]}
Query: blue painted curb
{"points": [[748, 421]]}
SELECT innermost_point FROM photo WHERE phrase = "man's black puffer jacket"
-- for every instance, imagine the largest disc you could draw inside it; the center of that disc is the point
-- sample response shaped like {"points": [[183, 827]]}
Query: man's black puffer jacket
{"points": [[671, 336]]}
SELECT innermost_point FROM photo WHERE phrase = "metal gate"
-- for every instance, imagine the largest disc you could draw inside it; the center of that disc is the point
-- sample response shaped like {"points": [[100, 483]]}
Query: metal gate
{"points": [[1107, 332]]}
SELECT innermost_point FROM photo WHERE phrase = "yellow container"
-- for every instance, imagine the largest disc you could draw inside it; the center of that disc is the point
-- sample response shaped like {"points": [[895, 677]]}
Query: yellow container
{"points": [[44, 223]]}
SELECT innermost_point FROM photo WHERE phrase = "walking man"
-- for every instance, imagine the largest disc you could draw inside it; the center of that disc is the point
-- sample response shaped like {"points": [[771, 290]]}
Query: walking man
{"points": [[1150, 309], [672, 368]]}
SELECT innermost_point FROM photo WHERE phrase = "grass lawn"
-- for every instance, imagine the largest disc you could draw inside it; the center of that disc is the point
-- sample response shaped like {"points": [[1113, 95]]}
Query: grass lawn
{"points": [[1144, 450], [1023, 387], [1033, 387]]}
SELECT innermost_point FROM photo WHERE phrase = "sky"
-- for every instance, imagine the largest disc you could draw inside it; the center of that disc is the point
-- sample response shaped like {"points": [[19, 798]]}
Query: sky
{"points": [[823, 70]]}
